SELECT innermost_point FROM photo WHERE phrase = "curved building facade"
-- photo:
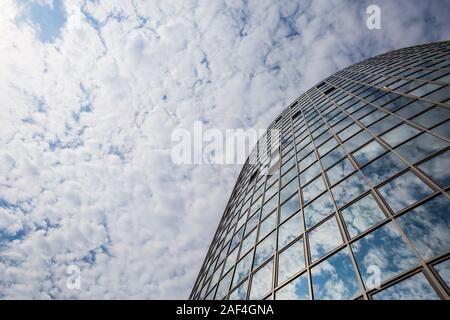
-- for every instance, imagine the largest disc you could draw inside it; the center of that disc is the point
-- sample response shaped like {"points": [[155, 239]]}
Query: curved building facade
{"points": [[352, 202]]}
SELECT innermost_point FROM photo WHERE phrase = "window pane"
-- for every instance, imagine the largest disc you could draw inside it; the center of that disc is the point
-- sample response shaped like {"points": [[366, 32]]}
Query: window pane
{"points": [[420, 147], [269, 206], [362, 215], [239, 293], [297, 289], [404, 191], [248, 242], [290, 230], [224, 286], [443, 130], [383, 168], [324, 238], [383, 251], [313, 189], [264, 250], [428, 227], [432, 117], [443, 269], [231, 260], [291, 261], [339, 171], [335, 278], [310, 173], [288, 190], [318, 210], [368, 153], [416, 287], [437, 168], [349, 188], [425, 89], [304, 163], [262, 282], [384, 124], [289, 207], [400, 134], [267, 225], [242, 268]]}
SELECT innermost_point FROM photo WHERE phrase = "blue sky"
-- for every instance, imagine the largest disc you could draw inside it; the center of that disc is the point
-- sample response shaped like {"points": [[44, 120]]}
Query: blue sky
{"points": [[92, 91]]}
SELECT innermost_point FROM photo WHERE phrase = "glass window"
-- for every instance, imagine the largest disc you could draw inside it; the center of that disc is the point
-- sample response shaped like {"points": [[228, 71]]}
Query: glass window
{"points": [[252, 222], [348, 189], [318, 210], [240, 292], [335, 278], [362, 215], [420, 147], [266, 226], [347, 133], [242, 268], [314, 188], [437, 169], [327, 146], [372, 117], [290, 261], [289, 176], [382, 252], [339, 171], [288, 190], [305, 162], [264, 250], [262, 282], [248, 242], [289, 207], [231, 260], [443, 269], [428, 227], [224, 286], [404, 190], [309, 173], [416, 287], [324, 238], [413, 108], [271, 191], [384, 124], [290, 230], [269, 206], [425, 89], [297, 289], [332, 157], [383, 168], [357, 141], [443, 130], [368, 153], [402, 133], [432, 117]]}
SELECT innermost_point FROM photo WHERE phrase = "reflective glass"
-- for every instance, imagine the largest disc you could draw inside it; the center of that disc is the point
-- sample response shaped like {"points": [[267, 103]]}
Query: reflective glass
{"points": [[443, 130], [425, 89], [368, 153], [443, 269], [291, 261], [313, 189], [383, 252], [402, 133], [384, 124], [324, 238], [264, 250], [404, 190], [428, 227], [242, 268], [297, 289], [318, 210], [332, 157], [348, 189], [262, 282], [383, 168], [335, 278], [305, 162], [224, 286], [248, 242], [362, 215], [416, 287], [290, 230], [267, 225], [420, 147], [339, 171], [288, 190], [231, 260], [289, 207], [269, 206], [309, 173], [437, 168], [432, 117], [349, 131], [240, 292]]}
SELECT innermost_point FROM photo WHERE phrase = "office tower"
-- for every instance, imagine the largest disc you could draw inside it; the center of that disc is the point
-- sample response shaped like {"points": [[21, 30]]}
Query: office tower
{"points": [[352, 202]]}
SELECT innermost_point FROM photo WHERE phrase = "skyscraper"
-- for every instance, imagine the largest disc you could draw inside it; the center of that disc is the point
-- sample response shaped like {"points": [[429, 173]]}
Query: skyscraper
{"points": [[353, 202]]}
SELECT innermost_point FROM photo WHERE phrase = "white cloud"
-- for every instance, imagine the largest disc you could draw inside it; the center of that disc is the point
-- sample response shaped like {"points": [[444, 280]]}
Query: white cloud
{"points": [[85, 125]]}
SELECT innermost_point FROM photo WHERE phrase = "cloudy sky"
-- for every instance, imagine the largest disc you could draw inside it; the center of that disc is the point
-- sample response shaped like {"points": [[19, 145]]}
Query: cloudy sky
{"points": [[90, 94]]}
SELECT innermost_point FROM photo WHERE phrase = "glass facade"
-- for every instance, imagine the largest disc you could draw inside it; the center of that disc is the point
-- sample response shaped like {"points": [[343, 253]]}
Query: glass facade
{"points": [[353, 202]]}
